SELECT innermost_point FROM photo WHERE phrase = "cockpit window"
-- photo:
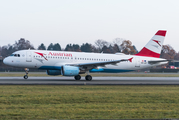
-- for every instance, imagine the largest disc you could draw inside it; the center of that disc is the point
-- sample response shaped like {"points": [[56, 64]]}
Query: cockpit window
{"points": [[15, 55]]}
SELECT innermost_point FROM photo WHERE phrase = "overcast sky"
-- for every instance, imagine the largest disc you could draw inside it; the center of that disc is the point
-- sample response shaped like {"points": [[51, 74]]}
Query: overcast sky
{"points": [[81, 21]]}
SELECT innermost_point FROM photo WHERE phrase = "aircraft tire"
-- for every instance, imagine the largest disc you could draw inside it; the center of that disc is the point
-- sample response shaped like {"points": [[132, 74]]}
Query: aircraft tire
{"points": [[25, 77], [88, 77], [77, 77]]}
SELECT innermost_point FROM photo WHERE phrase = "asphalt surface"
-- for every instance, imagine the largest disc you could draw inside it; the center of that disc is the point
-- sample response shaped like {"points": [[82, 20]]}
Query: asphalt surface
{"points": [[95, 81]]}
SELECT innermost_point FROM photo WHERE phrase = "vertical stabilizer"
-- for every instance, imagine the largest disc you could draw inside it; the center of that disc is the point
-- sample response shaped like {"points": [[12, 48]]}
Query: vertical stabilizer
{"points": [[154, 46]]}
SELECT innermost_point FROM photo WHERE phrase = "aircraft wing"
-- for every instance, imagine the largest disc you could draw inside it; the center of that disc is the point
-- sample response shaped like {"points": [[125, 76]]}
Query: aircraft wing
{"points": [[96, 64]]}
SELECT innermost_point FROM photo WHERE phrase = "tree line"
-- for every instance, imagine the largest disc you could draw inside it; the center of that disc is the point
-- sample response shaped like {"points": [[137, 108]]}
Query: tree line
{"points": [[118, 45]]}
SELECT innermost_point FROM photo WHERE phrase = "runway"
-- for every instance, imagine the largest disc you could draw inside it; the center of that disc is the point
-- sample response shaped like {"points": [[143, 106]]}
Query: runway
{"points": [[95, 81]]}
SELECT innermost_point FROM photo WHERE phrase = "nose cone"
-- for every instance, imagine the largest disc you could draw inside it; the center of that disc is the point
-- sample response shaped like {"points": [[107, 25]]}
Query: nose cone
{"points": [[6, 61]]}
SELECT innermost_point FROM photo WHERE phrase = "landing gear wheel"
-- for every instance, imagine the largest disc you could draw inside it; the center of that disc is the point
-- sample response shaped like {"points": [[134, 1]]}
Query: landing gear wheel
{"points": [[77, 77], [88, 77], [26, 71], [25, 76]]}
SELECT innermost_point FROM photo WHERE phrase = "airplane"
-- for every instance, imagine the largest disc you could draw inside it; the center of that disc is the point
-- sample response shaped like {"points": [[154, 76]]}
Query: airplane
{"points": [[76, 63]]}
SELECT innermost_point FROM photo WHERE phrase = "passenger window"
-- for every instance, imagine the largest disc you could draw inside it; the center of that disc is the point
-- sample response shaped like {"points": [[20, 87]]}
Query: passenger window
{"points": [[18, 55]]}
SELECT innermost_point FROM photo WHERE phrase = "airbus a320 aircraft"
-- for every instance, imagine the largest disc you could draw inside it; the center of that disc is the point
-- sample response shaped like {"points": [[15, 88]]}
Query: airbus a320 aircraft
{"points": [[76, 63]]}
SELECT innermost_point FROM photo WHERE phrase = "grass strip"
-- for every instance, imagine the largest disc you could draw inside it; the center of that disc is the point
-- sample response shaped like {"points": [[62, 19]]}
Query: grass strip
{"points": [[88, 102]]}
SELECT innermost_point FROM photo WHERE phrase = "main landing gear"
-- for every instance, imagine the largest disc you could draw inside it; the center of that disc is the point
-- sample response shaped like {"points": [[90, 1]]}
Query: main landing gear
{"points": [[87, 77], [26, 71], [77, 77]]}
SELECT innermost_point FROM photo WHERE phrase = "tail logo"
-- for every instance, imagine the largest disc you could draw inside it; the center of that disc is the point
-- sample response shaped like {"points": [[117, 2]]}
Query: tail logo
{"points": [[154, 46], [157, 42]]}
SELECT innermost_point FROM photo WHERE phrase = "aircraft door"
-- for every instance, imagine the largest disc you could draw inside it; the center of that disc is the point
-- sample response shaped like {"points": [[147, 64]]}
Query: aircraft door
{"points": [[28, 56], [137, 62]]}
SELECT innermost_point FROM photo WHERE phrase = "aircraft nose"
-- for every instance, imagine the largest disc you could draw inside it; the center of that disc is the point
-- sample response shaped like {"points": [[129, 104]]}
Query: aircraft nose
{"points": [[6, 61]]}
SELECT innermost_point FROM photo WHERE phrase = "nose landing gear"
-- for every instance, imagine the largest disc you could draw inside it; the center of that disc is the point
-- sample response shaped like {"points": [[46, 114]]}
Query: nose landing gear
{"points": [[26, 71]]}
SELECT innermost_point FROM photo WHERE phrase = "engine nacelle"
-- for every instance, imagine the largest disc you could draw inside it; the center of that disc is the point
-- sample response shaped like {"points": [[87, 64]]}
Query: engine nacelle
{"points": [[53, 72], [70, 70]]}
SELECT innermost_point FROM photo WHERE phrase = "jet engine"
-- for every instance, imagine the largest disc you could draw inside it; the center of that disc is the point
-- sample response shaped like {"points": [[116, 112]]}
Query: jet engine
{"points": [[70, 70], [53, 72]]}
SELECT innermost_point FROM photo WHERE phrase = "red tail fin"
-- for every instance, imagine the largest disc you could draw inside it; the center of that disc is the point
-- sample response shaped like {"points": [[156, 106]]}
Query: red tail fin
{"points": [[154, 46]]}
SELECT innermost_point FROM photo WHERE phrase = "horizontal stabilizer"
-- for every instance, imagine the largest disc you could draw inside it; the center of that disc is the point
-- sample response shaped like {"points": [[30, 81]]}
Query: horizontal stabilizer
{"points": [[157, 61]]}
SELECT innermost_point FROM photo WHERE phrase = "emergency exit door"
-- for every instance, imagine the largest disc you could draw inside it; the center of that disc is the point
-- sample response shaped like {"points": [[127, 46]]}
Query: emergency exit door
{"points": [[28, 56]]}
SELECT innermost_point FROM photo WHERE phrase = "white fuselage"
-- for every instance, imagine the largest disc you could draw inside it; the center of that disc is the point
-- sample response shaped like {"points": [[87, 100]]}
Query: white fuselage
{"points": [[53, 60]]}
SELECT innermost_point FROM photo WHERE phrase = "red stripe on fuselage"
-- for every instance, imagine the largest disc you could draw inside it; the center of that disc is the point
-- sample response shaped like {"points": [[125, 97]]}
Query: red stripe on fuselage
{"points": [[41, 54], [161, 33], [148, 53]]}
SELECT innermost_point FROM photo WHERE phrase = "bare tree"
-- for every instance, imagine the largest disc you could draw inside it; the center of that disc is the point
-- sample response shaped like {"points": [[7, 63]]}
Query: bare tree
{"points": [[101, 43], [23, 44], [117, 43], [176, 57], [127, 47], [4, 51], [167, 52]]}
